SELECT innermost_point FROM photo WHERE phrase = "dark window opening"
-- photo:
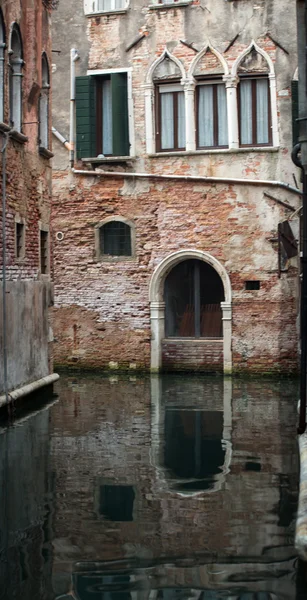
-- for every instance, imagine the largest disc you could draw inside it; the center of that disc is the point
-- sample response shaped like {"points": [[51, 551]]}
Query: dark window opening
{"points": [[20, 238], [193, 294], [44, 251], [116, 502], [255, 112], [212, 127], [252, 285], [170, 124], [193, 447], [115, 239]]}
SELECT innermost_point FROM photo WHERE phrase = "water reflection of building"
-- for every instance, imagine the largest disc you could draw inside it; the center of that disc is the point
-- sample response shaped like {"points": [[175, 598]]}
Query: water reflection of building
{"points": [[122, 502], [25, 510]]}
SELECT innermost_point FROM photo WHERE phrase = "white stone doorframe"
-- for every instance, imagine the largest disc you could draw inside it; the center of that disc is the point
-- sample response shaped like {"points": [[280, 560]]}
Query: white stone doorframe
{"points": [[157, 305]]}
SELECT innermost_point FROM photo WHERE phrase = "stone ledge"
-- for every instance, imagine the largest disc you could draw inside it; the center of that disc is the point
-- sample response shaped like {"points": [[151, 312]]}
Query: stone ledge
{"points": [[169, 5], [18, 136], [25, 390], [45, 152]]}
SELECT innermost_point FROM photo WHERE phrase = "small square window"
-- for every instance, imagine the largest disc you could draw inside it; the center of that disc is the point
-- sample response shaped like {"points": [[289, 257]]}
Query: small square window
{"points": [[20, 240], [252, 285], [44, 251]]}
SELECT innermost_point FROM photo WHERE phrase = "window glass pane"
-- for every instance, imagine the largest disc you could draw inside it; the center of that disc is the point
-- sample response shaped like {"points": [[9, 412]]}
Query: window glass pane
{"points": [[205, 116], [107, 142], [167, 120], [105, 5], [119, 4], [246, 122], [262, 97], [115, 239], [181, 120], [222, 115], [43, 118]]}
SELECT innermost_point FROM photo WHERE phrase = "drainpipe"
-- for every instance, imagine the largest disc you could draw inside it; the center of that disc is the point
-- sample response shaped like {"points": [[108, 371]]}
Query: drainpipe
{"points": [[74, 56], [61, 138], [4, 323]]}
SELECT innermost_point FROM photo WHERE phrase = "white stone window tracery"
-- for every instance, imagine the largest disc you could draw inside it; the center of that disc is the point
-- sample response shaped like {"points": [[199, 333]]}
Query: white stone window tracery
{"points": [[195, 137], [16, 65]]}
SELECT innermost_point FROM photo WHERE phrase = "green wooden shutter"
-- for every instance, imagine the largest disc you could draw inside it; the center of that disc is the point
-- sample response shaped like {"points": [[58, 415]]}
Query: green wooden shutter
{"points": [[86, 117], [295, 126], [120, 114]]}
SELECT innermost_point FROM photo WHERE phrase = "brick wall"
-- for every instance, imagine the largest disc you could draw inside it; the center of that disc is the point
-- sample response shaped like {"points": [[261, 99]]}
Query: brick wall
{"points": [[102, 311], [193, 355], [28, 193]]}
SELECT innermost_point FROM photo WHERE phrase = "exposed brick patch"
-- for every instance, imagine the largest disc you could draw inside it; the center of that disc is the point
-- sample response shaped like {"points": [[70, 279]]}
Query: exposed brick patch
{"points": [[196, 355]]}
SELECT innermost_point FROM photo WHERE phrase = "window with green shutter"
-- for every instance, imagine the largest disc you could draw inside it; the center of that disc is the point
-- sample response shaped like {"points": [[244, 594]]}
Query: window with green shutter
{"points": [[102, 115], [295, 127]]}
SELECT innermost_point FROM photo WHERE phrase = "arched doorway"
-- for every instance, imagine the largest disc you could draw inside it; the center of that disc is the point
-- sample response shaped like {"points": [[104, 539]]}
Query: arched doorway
{"points": [[193, 292], [190, 299]]}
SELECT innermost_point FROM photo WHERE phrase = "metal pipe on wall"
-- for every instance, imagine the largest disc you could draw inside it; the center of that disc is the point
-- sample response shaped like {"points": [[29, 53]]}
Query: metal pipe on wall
{"points": [[74, 56]]}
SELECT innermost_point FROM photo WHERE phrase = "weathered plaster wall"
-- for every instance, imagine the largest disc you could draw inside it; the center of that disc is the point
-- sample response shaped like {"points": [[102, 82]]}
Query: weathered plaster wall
{"points": [[28, 200], [102, 308]]}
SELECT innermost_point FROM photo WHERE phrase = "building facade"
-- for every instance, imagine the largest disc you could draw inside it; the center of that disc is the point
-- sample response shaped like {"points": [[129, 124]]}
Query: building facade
{"points": [[26, 178], [175, 232]]}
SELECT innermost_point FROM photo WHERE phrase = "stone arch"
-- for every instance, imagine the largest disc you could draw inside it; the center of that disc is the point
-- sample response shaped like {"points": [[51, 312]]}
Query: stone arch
{"points": [[157, 305], [165, 55], [264, 54], [201, 54]]}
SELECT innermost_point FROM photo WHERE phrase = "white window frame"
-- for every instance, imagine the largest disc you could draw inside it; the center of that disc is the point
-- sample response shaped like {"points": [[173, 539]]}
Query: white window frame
{"points": [[91, 7], [130, 100]]}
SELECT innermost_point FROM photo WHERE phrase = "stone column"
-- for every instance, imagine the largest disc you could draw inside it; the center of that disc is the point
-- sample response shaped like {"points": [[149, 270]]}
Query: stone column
{"points": [[231, 83], [273, 98], [149, 118], [157, 310], [227, 335], [190, 128]]}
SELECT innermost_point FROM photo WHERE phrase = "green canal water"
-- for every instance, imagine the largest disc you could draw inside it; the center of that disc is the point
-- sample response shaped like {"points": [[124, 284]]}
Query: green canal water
{"points": [[140, 488]]}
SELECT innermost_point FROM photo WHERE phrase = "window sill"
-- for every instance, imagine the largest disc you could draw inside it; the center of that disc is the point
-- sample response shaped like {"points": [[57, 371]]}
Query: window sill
{"points": [[103, 13], [45, 152], [108, 159], [215, 151], [114, 259], [169, 5], [203, 340], [4, 128], [18, 136]]}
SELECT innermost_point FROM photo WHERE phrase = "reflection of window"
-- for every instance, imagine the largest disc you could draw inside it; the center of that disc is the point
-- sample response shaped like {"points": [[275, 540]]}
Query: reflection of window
{"points": [[116, 502], [193, 447], [16, 64], [212, 127], [44, 105], [254, 112], [171, 117], [193, 294], [102, 115], [115, 239]]}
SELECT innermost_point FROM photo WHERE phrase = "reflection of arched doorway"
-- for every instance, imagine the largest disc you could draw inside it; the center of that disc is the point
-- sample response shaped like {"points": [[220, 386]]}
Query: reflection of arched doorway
{"points": [[193, 292], [191, 320]]}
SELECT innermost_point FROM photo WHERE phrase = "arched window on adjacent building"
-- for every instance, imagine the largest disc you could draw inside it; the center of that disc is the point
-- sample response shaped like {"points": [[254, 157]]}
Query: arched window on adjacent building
{"points": [[114, 239], [2, 49], [44, 105], [16, 64]]}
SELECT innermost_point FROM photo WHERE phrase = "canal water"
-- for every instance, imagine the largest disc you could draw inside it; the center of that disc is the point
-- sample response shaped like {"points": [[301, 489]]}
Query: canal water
{"points": [[139, 488]]}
